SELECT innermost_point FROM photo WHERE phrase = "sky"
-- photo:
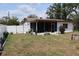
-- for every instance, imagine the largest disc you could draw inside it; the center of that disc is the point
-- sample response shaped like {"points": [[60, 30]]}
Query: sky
{"points": [[22, 10]]}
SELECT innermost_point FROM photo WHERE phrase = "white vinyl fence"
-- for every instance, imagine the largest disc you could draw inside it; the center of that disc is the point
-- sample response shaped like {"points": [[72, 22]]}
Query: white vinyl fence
{"points": [[14, 29], [2, 30], [18, 29]]}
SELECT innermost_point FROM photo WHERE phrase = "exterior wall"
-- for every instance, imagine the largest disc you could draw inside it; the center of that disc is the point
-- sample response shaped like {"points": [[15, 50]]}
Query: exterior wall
{"points": [[69, 29], [26, 28], [2, 30], [19, 29]]}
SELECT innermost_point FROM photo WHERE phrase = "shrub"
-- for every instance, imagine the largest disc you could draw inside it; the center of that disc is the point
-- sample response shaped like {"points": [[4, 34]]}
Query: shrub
{"points": [[62, 29], [11, 33], [30, 31], [5, 34]]}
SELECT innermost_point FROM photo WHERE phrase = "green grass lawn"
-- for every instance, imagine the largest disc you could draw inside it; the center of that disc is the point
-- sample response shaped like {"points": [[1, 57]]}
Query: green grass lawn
{"points": [[27, 44]]}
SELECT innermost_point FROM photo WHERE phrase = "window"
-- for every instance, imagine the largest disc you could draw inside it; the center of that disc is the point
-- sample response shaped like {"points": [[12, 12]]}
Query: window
{"points": [[65, 25]]}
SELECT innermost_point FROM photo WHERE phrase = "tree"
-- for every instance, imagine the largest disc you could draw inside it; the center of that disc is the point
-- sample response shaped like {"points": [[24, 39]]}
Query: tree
{"points": [[3, 22], [9, 21], [54, 11], [76, 22], [13, 21], [61, 10], [32, 16], [23, 21]]}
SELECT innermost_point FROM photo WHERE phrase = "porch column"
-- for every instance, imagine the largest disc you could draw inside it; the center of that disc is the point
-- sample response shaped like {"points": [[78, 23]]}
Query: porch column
{"points": [[36, 27], [54, 27], [44, 26], [51, 26]]}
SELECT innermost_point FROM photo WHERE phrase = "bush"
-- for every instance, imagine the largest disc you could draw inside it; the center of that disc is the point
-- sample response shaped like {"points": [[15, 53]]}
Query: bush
{"points": [[2, 40], [62, 29], [30, 31], [11, 33], [5, 34]]}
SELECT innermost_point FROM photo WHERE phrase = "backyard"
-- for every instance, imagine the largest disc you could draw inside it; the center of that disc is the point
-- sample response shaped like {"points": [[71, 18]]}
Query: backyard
{"points": [[50, 45]]}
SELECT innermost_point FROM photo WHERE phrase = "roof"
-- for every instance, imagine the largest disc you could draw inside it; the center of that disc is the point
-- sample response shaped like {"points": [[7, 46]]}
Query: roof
{"points": [[35, 19]]}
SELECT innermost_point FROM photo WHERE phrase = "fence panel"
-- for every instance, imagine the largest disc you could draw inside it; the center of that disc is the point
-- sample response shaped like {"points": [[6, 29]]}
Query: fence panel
{"points": [[2, 30], [18, 29], [11, 29]]}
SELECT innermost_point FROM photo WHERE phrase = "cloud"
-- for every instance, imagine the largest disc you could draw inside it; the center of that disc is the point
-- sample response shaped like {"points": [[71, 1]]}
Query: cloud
{"points": [[42, 14], [3, 13], [27, 9], [23, 11]]}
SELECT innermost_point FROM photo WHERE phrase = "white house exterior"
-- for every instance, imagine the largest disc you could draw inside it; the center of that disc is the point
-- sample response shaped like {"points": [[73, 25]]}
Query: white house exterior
{"points": [[69, 27], [59, 23]]}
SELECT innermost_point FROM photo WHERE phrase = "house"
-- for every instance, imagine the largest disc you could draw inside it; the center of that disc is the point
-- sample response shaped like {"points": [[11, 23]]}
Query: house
{"points": [[42, 26]]}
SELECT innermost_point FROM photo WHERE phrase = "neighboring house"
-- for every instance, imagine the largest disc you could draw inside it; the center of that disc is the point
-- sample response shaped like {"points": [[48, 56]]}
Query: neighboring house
{"points": [[42, 26]]}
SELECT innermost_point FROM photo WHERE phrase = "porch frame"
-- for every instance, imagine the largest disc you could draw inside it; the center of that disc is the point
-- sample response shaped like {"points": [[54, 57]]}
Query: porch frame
{"points": [[44, 28]]}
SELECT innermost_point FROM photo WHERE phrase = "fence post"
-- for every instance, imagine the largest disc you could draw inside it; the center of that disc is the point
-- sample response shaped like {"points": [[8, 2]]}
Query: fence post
{"points": [[23, 28], [72, 37], [16, 29]]}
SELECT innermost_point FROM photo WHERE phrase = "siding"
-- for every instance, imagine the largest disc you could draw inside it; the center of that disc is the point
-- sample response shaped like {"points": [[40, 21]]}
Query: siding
{"points": [[69, 29]]}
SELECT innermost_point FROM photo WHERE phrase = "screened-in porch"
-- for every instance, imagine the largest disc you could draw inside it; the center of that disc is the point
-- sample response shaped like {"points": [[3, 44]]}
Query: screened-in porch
{"points": [[43, 26]]}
